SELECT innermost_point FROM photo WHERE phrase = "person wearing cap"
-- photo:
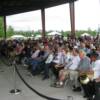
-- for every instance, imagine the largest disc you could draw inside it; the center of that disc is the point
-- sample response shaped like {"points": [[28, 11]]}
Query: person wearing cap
{"points": [[92, 88], [96, 79], [98, 50]]}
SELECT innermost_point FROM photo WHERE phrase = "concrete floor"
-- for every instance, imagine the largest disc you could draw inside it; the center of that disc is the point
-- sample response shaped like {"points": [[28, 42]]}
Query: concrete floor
{"points": [[7, 84]]}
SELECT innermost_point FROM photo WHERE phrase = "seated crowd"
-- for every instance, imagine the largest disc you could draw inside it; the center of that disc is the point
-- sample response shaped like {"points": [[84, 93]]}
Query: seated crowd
{"points": [[75, 59]]}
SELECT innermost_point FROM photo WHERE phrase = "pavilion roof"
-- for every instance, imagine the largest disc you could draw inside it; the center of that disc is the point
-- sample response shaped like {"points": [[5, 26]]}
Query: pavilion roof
{"points": [[9, 7]]}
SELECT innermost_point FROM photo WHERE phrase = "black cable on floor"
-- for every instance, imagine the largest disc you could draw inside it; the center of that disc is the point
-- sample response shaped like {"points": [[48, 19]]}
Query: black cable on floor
{"points": [[41, 95], [32, 89]]}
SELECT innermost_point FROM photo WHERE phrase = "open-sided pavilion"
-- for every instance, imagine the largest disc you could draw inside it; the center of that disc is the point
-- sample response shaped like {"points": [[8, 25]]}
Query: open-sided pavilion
{"points": [[10, 7]]}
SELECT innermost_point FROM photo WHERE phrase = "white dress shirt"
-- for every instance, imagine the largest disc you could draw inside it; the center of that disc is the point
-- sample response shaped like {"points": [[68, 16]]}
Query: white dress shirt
{"points": [[49, 59], [75, 63], [59, 58], [35, 54], [96, 69]]}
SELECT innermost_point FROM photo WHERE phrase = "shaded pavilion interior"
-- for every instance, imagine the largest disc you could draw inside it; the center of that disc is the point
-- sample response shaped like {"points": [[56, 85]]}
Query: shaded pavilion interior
{"points": [[11, 7]]}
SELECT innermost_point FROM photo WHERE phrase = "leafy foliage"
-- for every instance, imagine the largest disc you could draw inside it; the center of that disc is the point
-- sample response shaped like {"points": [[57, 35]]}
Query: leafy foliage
{"points": [[1, 27], [10, 31]]}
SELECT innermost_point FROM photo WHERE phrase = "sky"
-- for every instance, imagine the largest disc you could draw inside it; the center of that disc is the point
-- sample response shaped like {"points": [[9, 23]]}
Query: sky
{"points": [[87, 15]]}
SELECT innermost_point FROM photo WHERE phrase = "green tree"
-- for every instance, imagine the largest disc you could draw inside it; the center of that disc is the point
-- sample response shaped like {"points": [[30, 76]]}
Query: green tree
{"points": [[1, 27], [37, 33], [10, 31]]}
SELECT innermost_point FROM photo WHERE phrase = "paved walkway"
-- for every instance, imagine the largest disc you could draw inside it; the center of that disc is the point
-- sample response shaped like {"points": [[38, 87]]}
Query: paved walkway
{"points": [[6, 84]]}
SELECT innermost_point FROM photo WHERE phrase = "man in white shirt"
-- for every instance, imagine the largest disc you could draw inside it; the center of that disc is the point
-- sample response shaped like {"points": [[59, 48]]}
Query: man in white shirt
{"points": [[96, 70], [75, 62], [70, 68], [35, 54], [58, 58], [73, 73], [57, 61]]}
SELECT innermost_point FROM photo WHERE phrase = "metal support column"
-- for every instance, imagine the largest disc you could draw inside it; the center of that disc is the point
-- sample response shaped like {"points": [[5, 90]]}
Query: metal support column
{"points": [[15, 90], [43, 22], [72, 18]]}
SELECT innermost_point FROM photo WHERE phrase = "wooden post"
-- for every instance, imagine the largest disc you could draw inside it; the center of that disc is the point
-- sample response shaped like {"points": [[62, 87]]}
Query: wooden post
{"points": [[5, 27], [72, 18], [43, 22]]}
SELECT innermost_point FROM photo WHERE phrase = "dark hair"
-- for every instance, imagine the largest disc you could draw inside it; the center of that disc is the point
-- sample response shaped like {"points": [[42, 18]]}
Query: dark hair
{"points": [[94, 54], [76, 50]]}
